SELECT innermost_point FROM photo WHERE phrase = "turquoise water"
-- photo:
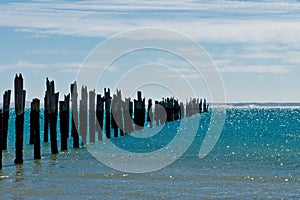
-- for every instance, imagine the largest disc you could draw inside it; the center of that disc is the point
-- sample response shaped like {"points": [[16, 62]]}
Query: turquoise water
{"points": [[256, 156]]}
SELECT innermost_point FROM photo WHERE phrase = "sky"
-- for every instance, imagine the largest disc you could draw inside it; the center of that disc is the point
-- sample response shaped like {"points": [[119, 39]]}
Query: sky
{"points": [[255, 45]]}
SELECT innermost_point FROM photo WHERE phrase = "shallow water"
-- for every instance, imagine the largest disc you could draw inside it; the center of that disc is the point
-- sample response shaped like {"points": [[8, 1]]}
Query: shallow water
{"points": [[256, 156]]}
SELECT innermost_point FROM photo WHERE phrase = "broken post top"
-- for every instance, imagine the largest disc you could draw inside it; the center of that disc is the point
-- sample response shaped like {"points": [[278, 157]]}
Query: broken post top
{"points": [[51, 97], [35, 105], [6, 101], [19, 95]]}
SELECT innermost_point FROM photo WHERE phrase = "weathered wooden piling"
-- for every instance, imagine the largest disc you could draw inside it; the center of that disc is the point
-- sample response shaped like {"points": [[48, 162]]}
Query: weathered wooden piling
{"points": [[200, 106], [92, 130], [52, 108], [99, 115], [20, 95], [181, 110], [127, 115], [120, 113], [6, 105], [114, 113], [139, 111], [46, 117], [116, 119], [156, 112], [107, 112], [1, 137], [74, 96], [83, 115], [204, 106], [150, 113], [35, 127], [64, 107]]}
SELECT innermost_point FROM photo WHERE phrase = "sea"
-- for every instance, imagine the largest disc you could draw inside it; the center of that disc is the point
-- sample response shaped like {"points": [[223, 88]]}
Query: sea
{"points": [[257, 156]]}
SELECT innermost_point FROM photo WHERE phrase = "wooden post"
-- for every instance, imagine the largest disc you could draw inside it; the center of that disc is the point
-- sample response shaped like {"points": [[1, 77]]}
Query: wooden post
{"points": [[64, 107], [156, 112], [46, 117], [74, 96], [119, 119], [127, 115], [99, 114], [83, 114], [139, 112], [92, 130], [52, 108], [107, 112], [117, 122], [176, 110], [181, 110], [200, 106], [19, 124], [1, 138], [114, 113], [204, 106], [150, 113], [35, 127], [6, 105]]}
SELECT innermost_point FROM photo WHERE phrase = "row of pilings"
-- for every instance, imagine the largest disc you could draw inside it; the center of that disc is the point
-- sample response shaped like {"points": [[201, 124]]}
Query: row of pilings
{"points": [[97, 116]]}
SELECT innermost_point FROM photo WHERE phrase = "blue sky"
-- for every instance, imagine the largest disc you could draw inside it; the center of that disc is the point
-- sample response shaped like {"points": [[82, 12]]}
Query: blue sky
{"points": [[255, 44]]}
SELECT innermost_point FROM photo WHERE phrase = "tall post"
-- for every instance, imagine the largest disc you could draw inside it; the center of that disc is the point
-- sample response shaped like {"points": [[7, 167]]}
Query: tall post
{"points": [[100, 115], [150, 113], [1, 138], [46, 117], [52, 108], [92, 130], [64, 122], [74, 96], [83, 114], [6, 105], [19, 123], [127, 114], [139, 112], [35, 127], [107, 111], [204, 106]]}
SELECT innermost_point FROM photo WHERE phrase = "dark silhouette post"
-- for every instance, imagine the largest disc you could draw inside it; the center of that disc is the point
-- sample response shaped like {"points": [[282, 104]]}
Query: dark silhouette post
{"points": [[176, 110], [117, 122], [46, 117], [19, 108], [64, 107], [127, 115], [35, 127], [6, 105], [99, 115], [150, 113], [107, 112], [114, 109], [204, 106], [156, 112], [92, 130], [74, 134], [52, 108], [83, 114], [1, 138], [200, 106], [139, 112]]}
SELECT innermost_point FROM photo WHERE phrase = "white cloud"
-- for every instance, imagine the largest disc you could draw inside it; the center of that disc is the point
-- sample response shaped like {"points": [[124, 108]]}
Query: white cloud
{"points": [[104, 18], [67, 67], [255, 69], [22, 65]]}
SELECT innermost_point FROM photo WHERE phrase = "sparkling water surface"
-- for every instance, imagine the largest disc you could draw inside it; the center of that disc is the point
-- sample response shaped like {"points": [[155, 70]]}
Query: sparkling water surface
{"points": [[257, 156]]}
